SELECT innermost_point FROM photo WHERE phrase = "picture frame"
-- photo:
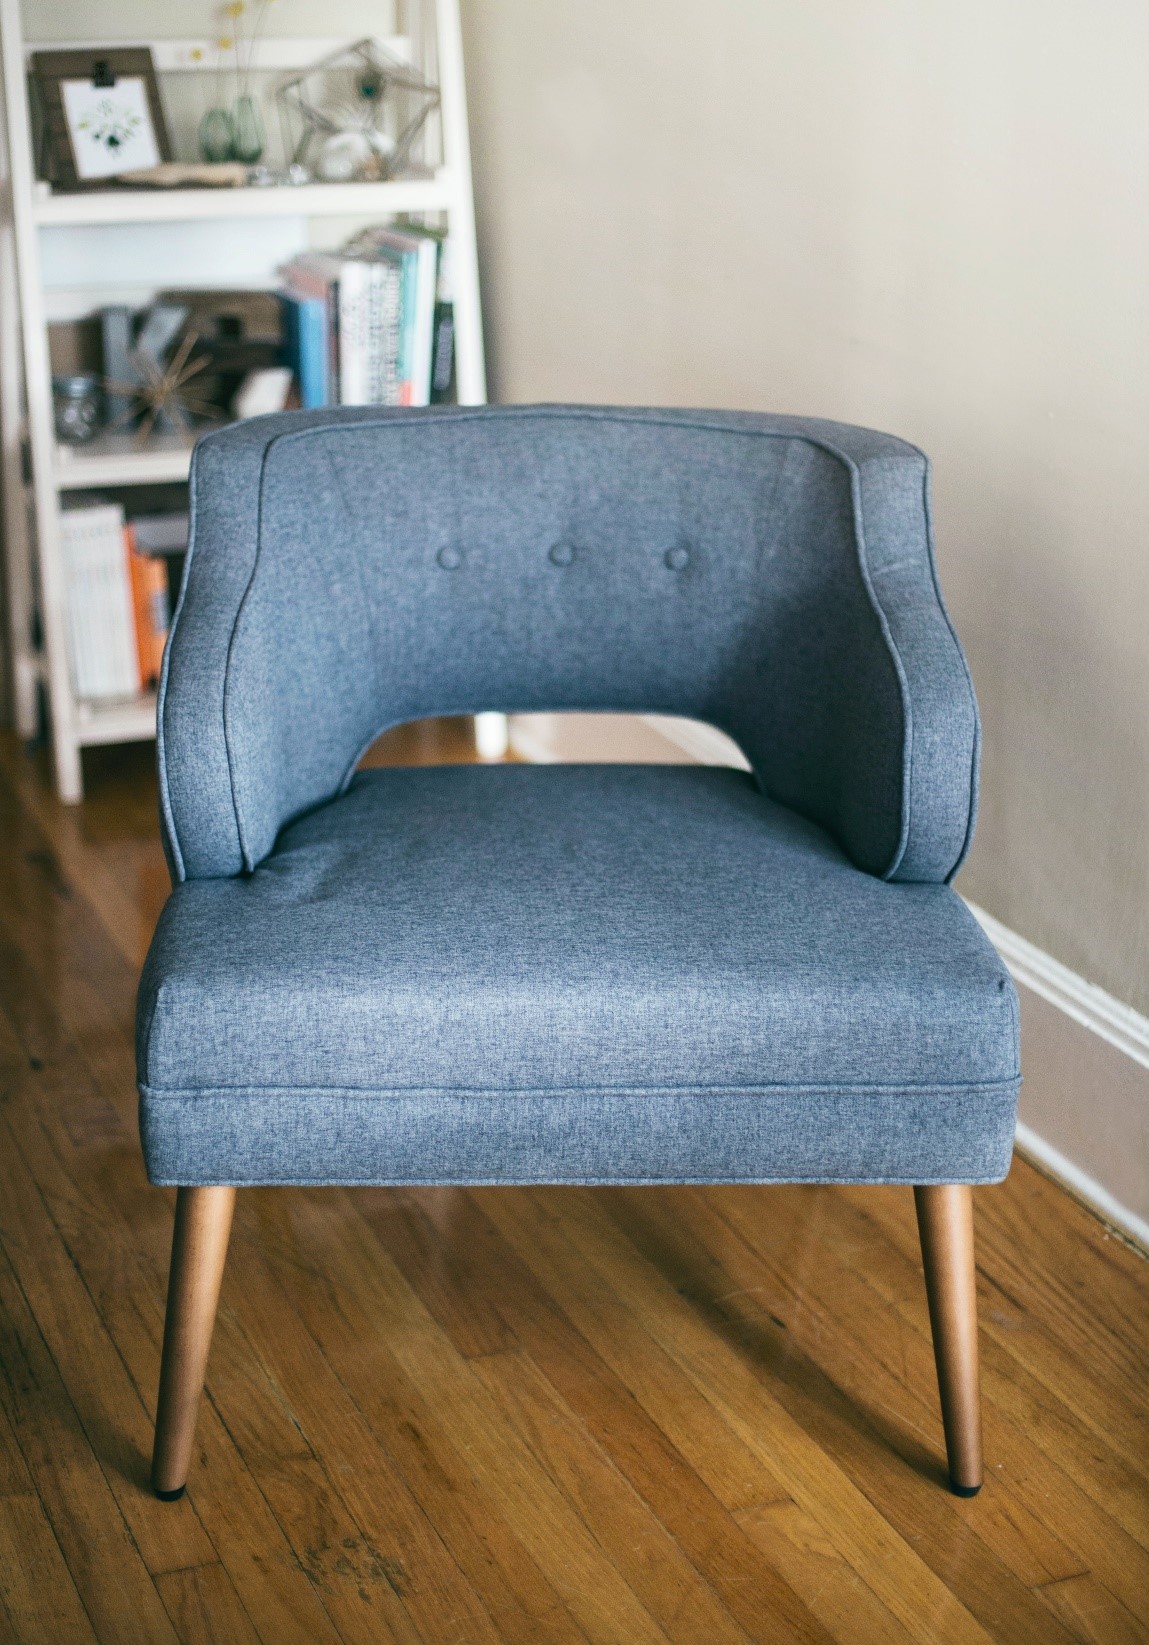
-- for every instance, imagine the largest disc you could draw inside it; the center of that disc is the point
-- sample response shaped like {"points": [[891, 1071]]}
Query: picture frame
{"points": [[100, 115]]}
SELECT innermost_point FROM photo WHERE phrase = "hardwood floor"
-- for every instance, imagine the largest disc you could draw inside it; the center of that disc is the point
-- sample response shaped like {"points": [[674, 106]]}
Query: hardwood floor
{"points": [[515, 1415]]}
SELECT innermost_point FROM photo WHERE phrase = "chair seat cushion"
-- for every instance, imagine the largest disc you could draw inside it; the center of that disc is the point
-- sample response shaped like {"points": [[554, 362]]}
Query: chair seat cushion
{"points": [[570, 974]]}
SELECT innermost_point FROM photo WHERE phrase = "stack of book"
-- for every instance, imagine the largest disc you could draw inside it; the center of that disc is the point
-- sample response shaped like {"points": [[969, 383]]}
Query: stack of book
{"points": [[371, 325], [117, 597]]}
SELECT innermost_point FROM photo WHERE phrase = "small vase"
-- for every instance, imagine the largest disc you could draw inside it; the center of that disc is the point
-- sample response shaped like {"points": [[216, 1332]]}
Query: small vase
{"points": [[216, 135], [248, 135]]}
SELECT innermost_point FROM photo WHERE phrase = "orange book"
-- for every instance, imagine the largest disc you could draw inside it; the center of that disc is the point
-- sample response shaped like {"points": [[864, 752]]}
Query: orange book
{"points": [[149, 579]]}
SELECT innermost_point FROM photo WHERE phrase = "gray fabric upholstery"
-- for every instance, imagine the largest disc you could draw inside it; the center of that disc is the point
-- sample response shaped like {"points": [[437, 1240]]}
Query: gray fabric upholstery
{"points": [[568, 974], [350, 570], [571, 973]]}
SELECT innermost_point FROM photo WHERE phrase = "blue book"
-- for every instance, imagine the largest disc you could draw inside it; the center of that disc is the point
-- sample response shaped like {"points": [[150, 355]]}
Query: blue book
{"points": [[305, 347]]}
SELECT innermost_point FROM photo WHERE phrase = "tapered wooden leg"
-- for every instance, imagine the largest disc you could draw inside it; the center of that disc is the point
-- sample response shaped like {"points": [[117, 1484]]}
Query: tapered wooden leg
{"points": [[945, 1224], [199, 1251]]}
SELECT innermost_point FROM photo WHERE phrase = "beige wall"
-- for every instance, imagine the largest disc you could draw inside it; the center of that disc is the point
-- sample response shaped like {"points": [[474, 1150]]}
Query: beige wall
{"points": [[926, 217]]}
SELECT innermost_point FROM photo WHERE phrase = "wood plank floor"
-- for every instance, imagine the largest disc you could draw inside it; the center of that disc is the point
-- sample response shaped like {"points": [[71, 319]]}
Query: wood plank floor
{"points": [[549, 1415]]}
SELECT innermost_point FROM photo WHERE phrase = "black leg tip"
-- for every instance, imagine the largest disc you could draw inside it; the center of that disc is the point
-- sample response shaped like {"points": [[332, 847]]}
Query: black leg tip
{"points": [[964, 1490], [170, 1496]]}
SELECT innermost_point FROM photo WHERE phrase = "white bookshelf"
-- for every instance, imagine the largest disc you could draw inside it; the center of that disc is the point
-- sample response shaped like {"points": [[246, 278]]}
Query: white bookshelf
{"points": [[197, 205], [39, 473], [131, 720], [116, 460]]}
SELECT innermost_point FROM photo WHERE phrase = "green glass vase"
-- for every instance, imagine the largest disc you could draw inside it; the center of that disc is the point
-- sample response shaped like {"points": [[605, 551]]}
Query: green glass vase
{"points": [[248, 135], [216, 136]]}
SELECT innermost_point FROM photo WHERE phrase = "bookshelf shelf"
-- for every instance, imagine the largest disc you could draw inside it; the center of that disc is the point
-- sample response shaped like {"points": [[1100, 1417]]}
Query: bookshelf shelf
{"points": [[116, 460], [206, 204], [123, 720], [40, 476]]}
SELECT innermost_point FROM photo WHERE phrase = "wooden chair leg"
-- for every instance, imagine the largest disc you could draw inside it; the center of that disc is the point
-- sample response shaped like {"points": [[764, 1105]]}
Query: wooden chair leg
{"points": [[199, 1251], [945, 1224]]}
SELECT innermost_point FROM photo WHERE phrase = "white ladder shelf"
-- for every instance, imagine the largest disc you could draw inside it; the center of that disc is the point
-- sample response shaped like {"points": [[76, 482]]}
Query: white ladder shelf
{"points": [[38, 472]]}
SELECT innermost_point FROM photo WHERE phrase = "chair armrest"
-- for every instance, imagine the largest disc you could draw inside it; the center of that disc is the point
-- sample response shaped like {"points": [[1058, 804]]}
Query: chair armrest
{"points": [[869, 724], [198, 811]]}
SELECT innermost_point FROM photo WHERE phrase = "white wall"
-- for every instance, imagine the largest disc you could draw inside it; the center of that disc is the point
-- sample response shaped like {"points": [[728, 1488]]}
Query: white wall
{"points": [[926, 217]]}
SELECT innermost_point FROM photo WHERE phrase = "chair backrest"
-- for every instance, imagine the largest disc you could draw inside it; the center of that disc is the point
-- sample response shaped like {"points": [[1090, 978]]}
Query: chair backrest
{"points": [[349, 570]]}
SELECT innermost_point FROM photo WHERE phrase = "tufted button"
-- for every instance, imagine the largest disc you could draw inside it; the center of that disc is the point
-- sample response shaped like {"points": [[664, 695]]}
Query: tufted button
{"points": [[561, 554], [677, 558], [450, 558]]}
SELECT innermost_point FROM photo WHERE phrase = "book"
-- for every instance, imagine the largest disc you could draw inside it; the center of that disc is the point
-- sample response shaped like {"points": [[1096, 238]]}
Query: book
{"points": [[354, 299], [315, 275], [343, 285], [375, 315], [443, 356], [423, 344], [104, 656], [120, 371], [305, 346], [378, 332], [388, 383], [164, 538], [160, 533], [148, 575], [416, 254]]}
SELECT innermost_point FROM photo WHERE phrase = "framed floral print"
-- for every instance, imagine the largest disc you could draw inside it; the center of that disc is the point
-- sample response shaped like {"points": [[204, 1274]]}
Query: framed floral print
{"points": [[101, 115]]}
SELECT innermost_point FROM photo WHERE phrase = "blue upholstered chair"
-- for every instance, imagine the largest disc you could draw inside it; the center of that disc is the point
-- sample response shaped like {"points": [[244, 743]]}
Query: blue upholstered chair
{"points": [[567, 974]]}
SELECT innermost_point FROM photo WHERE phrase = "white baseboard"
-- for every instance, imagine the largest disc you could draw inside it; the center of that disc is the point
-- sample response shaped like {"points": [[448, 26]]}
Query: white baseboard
{"points": [[1085, 1055], [1092, 1007], [1085, 1101], [1085, 1187]]}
